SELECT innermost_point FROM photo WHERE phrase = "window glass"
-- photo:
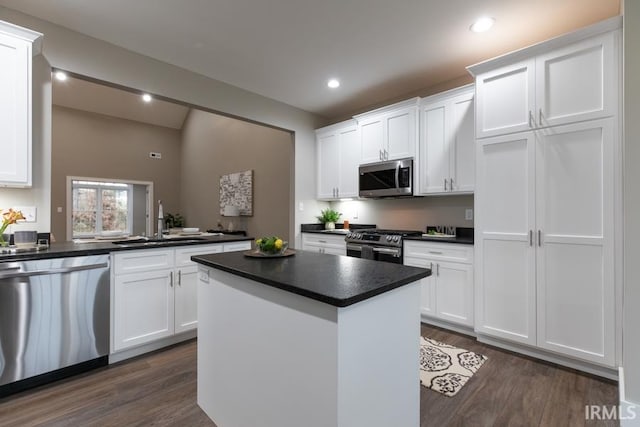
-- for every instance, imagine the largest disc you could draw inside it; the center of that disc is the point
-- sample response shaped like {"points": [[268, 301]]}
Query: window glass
{"points": [[100, 207]]}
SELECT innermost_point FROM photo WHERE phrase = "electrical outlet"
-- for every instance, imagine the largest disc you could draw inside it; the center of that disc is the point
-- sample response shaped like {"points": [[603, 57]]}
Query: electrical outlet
{"points": [[29, 212], [468, 214], [355, 214], [155, 155], [301, 206]]}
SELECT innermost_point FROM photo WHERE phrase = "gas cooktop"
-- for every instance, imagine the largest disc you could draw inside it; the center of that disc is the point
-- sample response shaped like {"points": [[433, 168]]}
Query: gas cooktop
{"points": [[380, 236]]}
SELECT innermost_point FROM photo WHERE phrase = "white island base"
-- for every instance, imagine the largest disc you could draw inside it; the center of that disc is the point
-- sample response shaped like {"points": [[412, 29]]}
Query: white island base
{"points": [[271, 358]]}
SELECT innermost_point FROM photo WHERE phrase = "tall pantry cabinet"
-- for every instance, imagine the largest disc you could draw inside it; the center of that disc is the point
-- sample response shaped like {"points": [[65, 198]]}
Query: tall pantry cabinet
{"points": [[546, 198]]}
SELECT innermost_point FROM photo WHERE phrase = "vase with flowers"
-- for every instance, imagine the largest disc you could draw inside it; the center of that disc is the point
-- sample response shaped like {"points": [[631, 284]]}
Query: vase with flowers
{"points": [[9, 216]]}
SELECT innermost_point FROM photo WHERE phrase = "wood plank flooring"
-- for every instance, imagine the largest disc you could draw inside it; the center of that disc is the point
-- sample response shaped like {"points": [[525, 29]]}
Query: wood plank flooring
{"points": [[159, 389]]}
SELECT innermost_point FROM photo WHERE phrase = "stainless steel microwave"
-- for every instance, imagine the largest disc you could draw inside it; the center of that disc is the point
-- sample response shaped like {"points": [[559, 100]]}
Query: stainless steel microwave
{"points": [[393, 178]]}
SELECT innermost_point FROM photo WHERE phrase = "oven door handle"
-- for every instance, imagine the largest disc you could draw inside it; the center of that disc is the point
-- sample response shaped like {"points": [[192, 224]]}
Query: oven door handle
{"points": [[395, 252], [354, 248], [398, 176]]}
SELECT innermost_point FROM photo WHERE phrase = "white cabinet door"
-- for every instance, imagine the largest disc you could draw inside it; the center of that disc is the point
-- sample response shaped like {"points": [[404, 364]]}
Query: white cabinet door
{"points": [[328, 165], [143, 307], [505, 259], [506, 99], [463, 148], [427, 285], [372, 139], [454, 292], [577, 82], [324, 244], [401, 134], [349, 149], [15, 106], [186, 299], [434, 148], [575, 219], [244, 245]]}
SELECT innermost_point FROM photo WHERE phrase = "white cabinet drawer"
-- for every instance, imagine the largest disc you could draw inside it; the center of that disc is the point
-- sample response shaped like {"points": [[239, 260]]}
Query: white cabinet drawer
{"points": [[143, 260], [183, 255], [439, 251], [237, 246], [325, 240]]}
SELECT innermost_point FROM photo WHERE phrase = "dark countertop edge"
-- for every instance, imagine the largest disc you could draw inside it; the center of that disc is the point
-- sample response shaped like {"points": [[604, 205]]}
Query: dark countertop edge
{"points": [[336, 302], [83, 249], [458, 240], [330, 232]]}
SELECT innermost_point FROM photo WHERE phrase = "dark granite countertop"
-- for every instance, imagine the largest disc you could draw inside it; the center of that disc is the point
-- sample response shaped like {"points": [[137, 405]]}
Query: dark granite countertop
{"points": [[319, 228], [70, 249], [336, 280]]}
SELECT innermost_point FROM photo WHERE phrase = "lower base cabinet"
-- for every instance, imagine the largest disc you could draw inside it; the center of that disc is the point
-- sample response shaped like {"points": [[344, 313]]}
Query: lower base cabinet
{"points": [[324, 243], [448, 293], [154, 292]]}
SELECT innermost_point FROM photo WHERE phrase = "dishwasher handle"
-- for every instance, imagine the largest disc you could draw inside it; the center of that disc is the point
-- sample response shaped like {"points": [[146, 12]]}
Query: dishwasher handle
{"points": [[53, 271]]}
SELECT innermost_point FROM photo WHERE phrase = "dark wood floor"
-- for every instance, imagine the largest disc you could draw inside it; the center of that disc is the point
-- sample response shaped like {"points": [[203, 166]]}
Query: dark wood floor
{"points": [[160, 390]]}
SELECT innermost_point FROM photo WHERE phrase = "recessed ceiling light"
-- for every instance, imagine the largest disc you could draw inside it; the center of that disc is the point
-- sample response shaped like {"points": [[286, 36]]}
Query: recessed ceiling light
{"points": [[333, 83], [482, 24], [60, 75], [146, 97]]}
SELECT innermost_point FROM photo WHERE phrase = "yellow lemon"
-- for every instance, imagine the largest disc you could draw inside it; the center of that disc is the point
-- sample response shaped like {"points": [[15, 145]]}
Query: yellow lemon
{"points": [[278, 244], [259, 242]]}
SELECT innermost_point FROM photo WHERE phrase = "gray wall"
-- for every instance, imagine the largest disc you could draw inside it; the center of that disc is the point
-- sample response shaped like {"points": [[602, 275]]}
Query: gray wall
{"points": [[97, 146], [631, 322], [214, 145], [140, 210]]}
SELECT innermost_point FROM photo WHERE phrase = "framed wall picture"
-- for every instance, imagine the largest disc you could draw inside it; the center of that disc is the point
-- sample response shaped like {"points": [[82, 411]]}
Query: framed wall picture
{"points": [[236, 189]]}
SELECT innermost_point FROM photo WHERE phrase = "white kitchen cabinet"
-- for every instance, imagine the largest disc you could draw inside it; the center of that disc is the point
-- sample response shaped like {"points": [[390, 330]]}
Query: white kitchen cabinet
{"points": [[17, 47], [555, 85], [155, 292], [447, 143], [545, 239], [338, 158], [448, 293], [324, 243], [389, 133]]}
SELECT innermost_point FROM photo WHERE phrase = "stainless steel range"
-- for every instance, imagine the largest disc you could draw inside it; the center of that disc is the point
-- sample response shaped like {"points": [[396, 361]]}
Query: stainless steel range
{"points": [[378, 244]]}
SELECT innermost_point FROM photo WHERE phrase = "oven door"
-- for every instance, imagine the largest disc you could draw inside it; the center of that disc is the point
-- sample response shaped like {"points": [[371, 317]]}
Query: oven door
{"points": [[377, 253]]}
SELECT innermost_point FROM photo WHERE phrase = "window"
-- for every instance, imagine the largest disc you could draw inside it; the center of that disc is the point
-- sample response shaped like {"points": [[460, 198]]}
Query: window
{"points": [[99, 207]]}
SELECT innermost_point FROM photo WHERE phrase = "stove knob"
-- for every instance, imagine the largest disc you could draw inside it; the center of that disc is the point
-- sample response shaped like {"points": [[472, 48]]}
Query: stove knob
{"points": [[396, 239], [360, 236], [388, 238], [348, 235]]}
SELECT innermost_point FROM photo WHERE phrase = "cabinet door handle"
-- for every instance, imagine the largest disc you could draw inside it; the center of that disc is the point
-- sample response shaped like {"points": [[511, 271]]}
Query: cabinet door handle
{"points": [[450, 184], [386, 155], [540, 117], [338, 192], [437, 269], [445, 184], [531, 119], [530, 237], [179, 277], [435, 252], [380, 154], [430, 266], [171, 279], [539, 238]]}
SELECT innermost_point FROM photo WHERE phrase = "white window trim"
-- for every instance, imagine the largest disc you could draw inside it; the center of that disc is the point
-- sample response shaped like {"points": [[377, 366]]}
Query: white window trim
{"points": [[129, 182]]}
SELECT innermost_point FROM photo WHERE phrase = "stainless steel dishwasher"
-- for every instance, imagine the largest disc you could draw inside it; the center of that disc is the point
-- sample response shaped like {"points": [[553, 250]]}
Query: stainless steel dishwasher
{"points": [[54, 319]]}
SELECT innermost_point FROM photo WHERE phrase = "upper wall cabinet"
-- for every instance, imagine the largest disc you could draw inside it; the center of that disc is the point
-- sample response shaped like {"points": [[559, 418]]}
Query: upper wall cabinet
{"points": [[558, 85], [338, 158], [17, 47], [389, 133], [447, 152]]}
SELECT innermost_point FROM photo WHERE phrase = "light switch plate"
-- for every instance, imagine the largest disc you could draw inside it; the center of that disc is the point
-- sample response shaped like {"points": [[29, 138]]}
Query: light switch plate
{"points": [[29, 212], [468, 214]]}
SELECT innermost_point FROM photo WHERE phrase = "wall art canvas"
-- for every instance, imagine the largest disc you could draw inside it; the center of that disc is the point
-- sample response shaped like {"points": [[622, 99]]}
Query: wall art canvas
{"points": [[236, 189]]}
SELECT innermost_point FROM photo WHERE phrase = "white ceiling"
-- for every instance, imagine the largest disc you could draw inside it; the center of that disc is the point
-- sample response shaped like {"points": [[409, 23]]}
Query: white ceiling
{"points": [[287, 49]]}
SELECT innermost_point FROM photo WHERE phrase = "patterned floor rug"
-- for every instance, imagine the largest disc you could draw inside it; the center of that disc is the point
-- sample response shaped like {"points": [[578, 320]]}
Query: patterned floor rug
{"points": [[445, 368]]}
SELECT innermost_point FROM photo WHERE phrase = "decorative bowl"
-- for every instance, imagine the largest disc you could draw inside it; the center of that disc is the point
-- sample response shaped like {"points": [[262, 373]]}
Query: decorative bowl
{"points": [[271, 246]]}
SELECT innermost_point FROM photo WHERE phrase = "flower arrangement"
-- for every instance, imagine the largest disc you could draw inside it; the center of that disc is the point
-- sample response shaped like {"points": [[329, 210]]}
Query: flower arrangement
{"points": [[272, 245], [9, 216]]}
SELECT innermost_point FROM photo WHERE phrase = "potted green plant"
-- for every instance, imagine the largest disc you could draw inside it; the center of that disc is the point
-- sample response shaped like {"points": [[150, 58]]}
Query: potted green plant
{"points": [[173, 221], [329, 217]]}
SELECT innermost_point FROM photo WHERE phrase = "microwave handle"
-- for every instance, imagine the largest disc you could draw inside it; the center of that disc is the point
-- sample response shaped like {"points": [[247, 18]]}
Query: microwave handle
{"points": [[398, 176]]}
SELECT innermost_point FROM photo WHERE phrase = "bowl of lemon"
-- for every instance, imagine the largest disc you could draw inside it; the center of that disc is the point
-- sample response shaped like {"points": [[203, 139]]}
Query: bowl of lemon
{"points": [[271, 246]]}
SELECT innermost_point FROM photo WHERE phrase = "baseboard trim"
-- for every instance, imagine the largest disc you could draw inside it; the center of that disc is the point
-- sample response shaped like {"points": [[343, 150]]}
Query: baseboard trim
{"points": [[156, 345], [601, 371]]}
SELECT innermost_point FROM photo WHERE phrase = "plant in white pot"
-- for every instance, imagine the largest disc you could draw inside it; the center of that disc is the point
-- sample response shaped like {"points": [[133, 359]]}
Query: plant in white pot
{"points": [[329, 217]]}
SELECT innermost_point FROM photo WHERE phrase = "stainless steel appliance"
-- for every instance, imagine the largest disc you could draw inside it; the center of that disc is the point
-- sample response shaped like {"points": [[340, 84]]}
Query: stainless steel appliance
{"points": [[377, 244], [54, 319], [392, 178]]}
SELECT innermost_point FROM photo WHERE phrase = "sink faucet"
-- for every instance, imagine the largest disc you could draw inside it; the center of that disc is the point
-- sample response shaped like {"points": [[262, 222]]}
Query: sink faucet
{"points": [[160, 220]]}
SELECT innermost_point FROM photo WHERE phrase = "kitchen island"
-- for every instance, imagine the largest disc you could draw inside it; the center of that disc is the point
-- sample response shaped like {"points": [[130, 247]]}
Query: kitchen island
{"points": [[311, 339]]}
